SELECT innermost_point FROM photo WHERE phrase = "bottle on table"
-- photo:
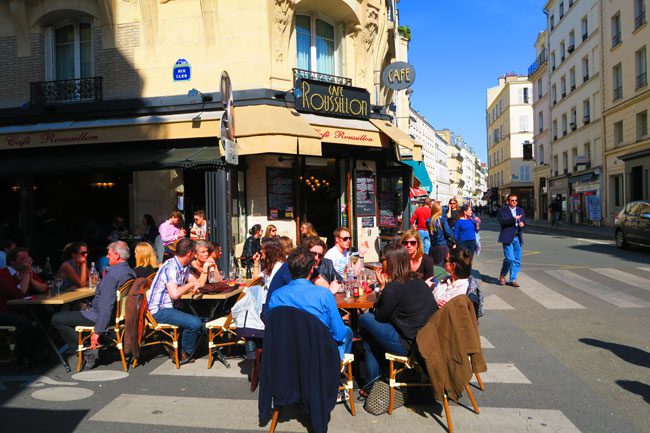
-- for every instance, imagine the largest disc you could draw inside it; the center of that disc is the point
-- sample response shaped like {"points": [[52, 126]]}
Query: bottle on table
{"points": [[93, 276], [47, 267], [355, 288], [211, 275]]}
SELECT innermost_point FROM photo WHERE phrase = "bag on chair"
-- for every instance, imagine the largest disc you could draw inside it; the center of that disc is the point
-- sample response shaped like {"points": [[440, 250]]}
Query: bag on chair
{"points": [[379, 398]]}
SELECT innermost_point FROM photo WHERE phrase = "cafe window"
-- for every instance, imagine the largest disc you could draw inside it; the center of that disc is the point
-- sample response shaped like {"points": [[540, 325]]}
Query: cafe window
{"points": [[318, 45], [69, 51]]}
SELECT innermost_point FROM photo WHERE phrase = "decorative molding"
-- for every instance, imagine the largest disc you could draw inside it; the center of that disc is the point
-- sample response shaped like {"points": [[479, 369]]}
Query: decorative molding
{"points": [[371, 26], [282, 18]]}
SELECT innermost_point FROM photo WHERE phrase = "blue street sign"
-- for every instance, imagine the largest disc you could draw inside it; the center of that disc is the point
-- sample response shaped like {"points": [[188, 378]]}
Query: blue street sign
{"points": [[182, 70]]}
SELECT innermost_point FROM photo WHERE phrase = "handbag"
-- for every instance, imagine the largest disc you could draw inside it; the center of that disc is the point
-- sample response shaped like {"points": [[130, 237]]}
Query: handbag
{"points": [[379, 398], [451, 241]]}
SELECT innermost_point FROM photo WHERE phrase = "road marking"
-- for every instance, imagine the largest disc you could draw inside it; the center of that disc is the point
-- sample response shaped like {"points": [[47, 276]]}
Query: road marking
{"points": [[485, 344], [62, 393], [594, 241], [502, 373], [624, 277], [238, 369], [600, 291], [100, 375], [493, 302], [545, 296], [220, 413], [645, 269]]}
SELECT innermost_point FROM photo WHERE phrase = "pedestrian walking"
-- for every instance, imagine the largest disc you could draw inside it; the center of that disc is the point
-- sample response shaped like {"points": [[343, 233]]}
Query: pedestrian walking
{"points": [[452, 212], [420, 222], [442, 238], [512, 220], [556, 211]]}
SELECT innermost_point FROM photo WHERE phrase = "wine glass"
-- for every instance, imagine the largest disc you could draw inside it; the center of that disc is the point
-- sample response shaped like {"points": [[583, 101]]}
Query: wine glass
{"points": [[50, 287], [58, 282]]}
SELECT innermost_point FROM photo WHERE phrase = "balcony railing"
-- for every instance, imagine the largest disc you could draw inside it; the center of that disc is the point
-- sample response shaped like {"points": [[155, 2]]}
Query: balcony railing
{"points": [[584, 36], [585, 78], [66, 91], [319, 76], [586, 119], [639, 20], [539, 61], [616, 39], [641, 80], [618, 93]]}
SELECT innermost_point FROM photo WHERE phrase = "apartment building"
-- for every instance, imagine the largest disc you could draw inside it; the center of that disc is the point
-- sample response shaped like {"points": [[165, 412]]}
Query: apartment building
{"points": [[509, 112], [574, 43], [453, 161], [626, 102]]}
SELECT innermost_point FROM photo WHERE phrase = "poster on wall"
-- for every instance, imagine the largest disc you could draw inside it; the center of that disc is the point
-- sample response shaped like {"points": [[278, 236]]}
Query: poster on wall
{"points": [[593, 207], [364, 193], [280, 194]]}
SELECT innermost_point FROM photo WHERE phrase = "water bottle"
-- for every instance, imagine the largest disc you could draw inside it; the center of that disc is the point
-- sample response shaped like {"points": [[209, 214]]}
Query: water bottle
{"points": [[47, 267], [211, 277], [350, 277], [93, 278]]}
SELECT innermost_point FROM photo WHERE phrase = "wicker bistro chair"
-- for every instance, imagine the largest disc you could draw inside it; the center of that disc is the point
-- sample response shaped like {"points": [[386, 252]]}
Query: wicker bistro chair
{"points": [[85, 332], [155, 333], [224, 330]]}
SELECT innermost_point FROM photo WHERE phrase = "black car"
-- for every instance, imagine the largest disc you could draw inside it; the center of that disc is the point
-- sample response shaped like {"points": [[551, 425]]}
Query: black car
{"points": [[633, 224]]}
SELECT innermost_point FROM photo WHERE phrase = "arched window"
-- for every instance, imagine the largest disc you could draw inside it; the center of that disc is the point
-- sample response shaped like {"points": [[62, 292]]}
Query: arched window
{"points": [[69, 51], [318, 45]]}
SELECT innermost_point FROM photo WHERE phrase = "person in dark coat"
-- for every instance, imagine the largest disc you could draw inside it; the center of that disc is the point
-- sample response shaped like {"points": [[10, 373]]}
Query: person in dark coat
{"points": [[512, 220], [252, 247]]}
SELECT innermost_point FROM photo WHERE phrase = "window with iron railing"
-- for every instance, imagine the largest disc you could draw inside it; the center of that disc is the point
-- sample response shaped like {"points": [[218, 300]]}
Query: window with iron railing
{"points": [[639, 13], [641, 68], [66, 91]]}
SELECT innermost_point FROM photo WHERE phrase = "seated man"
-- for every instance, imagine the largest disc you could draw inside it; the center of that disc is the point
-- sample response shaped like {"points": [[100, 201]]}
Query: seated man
{"points": [[17, 280], [303, 294], [172, 281], [101, 313]]}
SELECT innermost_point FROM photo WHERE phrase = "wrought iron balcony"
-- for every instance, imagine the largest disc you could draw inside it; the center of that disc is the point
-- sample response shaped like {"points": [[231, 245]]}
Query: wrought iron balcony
{"points": [[319, 76], [641, 80], [66, 91], [639, 20], [616, 39], [618, 93]]}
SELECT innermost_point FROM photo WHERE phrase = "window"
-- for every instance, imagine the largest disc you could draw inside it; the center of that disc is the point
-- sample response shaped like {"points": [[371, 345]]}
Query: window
{"points": [[540, 91], [525, 95], [561, 9], [641, 125], [639, 13], [553, 93], [585, 68], [572, 78], [540, 154], [69, 52], [565, 162], [524, 173], [618, 132], [616, 29], [555, 130], [564, 124], [587, 153], [562, 49], [540, 122], [585, 111], [553, 60], [523, 123], [641, 68], [574, 119], [618, 190], [556, 167], [552, 22], [574, 156], [317, 47], [585, 28], [617, 78], [572, 41], [563, 86]]}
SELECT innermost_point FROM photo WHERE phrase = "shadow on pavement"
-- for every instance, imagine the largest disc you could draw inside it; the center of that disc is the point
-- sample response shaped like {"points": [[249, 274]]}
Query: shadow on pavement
{"points": [[40, 420], [638, 255], [627, 353], [636, 387]]}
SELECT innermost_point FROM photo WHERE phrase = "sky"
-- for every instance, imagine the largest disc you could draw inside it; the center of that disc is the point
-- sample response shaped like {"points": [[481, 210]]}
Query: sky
{"points": [[459, 49]]}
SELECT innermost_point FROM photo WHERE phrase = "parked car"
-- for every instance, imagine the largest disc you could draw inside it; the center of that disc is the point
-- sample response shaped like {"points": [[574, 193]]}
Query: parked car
{"points": [[632, 224]]}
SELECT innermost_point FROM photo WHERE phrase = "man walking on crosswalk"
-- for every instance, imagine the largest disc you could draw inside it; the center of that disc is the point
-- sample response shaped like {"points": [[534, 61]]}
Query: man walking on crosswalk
{"points": [[512, 220]]}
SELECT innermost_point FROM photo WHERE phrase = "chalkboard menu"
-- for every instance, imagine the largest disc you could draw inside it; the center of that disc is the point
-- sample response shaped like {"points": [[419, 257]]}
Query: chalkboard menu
{"points": [[388, 210], [280, 198], [364, 193]]}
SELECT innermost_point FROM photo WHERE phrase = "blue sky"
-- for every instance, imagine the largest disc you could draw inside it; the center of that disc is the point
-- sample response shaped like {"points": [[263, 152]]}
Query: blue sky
{"points": [[459, 49]]}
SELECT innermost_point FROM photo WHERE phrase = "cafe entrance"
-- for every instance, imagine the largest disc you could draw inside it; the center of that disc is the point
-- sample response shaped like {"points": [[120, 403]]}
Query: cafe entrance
{"points": [[319, 194]]}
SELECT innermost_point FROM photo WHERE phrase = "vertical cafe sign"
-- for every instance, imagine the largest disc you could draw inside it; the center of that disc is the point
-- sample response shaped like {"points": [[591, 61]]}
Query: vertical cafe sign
{"points": [[331, 99]]}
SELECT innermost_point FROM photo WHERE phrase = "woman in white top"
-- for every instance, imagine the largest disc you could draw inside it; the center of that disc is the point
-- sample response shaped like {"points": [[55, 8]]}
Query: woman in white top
{"points": [[459, 266], [272, 258]]}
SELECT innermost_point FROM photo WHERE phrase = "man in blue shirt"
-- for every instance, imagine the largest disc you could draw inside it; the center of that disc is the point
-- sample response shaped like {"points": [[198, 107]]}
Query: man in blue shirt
{"points": [[301, 293]]}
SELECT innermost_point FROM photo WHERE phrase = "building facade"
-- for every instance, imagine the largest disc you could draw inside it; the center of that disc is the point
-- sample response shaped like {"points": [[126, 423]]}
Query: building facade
{"points": [[509, 113], [626, 102]]}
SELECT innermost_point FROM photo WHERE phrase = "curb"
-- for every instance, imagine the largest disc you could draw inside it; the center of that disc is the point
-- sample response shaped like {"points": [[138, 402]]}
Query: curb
{"points": [[606, 233]]}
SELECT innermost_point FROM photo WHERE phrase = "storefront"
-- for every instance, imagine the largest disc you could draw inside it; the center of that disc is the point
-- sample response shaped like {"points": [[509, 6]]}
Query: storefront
{"points": [[584, 200]]}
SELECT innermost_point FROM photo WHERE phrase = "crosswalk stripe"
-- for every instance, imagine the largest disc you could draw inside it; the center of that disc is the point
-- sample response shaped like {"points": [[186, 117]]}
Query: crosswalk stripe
{"points": [[238, 369], [493, 302], [233, 414], [502, 373], [485, 343], [624, 277], [545, 296], [647, 269], [600, 291]]}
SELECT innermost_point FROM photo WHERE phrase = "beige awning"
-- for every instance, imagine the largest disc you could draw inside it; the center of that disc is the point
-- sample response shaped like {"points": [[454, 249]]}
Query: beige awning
{"points": [[396, 134], [350, 132], [274, 129]]}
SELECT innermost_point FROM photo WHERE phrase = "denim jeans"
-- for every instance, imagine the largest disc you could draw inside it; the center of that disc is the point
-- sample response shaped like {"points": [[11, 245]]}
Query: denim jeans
{"points": [[468, 245], [190, 326], [378, 338], [66, 321], [557, 216], [511, 259], [426, 240], [346, 346]]}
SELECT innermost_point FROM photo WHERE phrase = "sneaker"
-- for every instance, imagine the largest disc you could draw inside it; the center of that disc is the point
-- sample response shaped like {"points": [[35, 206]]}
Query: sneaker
{"points": [[342, 396]]}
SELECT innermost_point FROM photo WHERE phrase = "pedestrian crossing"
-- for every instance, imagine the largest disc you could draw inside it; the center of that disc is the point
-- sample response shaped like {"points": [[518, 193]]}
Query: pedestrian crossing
{"points": [[572, 289]]}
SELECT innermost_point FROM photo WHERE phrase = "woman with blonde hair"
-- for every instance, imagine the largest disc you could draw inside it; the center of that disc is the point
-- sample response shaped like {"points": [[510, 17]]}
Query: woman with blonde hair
{"points": [[146, 262], [271, 232], [420, 263], [287, 245], [441, 236], [307, 230]]}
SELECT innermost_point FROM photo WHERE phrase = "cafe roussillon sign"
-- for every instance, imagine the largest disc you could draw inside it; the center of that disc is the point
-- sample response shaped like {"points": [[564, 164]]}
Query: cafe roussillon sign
{"points": [[331, 99]]}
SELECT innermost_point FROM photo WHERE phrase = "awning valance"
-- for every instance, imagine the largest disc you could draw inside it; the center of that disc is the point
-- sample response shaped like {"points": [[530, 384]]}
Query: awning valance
{"points": [[396, 134], [420, 172], [350, 132]]}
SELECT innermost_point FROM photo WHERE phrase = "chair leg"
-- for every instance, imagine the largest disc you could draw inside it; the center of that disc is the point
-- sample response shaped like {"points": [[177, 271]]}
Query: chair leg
{"points": [[450, 426], [175, 347], [391, 390], [274, 420], [472, 399], [209, 348], [120, 347], [79, 350], [255, 376], [480, 382], [351, 390]]}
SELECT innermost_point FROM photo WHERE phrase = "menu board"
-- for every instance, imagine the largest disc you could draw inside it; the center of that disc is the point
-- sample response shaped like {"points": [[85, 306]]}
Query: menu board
{"points": [[388, 210], [364, 193], [280, 197]]}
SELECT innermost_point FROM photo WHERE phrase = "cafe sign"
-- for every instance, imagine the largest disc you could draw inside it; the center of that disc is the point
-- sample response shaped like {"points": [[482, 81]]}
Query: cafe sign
{"points": [[348, 136], [331, 99], [398, 76]]}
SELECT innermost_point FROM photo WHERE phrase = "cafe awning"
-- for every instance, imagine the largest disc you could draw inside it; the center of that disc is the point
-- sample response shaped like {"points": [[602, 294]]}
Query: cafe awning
{"points": [[351, 132], [420, 173], [274, 129], [396, 134]]}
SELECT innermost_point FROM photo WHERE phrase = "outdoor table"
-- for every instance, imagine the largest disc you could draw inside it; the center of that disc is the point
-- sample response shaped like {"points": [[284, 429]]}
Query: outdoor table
{"points": [[219, 298], [44, 299], [364, 301]]}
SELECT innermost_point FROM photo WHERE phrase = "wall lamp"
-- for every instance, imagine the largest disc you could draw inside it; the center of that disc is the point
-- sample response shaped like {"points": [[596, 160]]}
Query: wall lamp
{"points": [[297, 93], [204, 98]]}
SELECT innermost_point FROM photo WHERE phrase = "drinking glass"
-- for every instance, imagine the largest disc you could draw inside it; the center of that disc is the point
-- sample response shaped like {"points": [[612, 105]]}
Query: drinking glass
{"points": [[58, 282], [50, 287]]}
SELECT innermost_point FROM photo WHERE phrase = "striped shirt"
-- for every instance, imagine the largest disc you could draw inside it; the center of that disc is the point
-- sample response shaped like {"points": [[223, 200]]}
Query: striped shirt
{"points": [[170, 271]]}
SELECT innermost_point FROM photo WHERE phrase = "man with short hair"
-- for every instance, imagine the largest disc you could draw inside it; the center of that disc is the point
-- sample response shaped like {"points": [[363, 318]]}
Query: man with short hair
{"points": [[100, 315], [301, 293], [512, 220], [199, 229], [172, 281], [420, 222], [340, 253]]}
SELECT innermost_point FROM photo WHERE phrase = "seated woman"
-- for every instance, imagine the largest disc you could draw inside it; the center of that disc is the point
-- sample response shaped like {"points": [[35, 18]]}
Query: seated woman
{"points": [[74, 269], [287, 245], [146, 262], [404, 306], [307, 230], [459, 266], [465, 230], [270, 232], [201, 257], [420, 262], [441, 236]]}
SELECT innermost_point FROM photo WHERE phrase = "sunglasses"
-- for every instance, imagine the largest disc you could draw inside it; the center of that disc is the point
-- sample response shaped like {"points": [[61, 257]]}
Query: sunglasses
{"points": [[345, 239], [412, 243], [317, 255], [83, 253], [513, 200], [453, 202]]}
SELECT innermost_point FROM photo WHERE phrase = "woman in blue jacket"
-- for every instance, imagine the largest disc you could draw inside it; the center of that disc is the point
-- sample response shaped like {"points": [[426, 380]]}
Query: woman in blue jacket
{"points": [[465, 230], [441, 236]]}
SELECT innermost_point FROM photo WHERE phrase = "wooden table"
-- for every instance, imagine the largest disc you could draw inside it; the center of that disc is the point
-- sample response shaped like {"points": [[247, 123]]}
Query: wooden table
{"points": [[354, 305], [43, 299]]}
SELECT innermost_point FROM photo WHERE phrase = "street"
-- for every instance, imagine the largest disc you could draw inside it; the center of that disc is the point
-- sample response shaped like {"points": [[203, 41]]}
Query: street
{"points": [[568, 351]]}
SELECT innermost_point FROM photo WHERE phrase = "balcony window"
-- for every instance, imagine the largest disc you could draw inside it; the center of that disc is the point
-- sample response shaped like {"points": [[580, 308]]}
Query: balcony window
{"points": [[563, 86], [641, 125], [561, 10], [69, 52], [562, 50], [641, 68], [639, 13], [585, 29], [616, 29], [585, 68], [617, 76], [585, 111], [540, 91], [316, 45], [552, 22], [572, 78], [564, 124], [618, 132]]}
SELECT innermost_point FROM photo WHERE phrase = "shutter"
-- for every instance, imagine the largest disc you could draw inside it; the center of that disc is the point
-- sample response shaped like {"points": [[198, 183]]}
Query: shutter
{"points": [[339, 36], [49, 54]]}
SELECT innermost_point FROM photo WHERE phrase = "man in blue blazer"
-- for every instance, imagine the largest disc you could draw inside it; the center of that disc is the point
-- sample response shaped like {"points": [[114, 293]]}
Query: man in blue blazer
{"points": [[512, 220]]}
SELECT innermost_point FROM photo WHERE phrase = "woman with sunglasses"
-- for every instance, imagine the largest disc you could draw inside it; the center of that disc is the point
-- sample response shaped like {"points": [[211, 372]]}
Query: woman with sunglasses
{"points": [[452, 213], [74, 270], [465, 230], [420, 262], [270, 232], [405, 305]]}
